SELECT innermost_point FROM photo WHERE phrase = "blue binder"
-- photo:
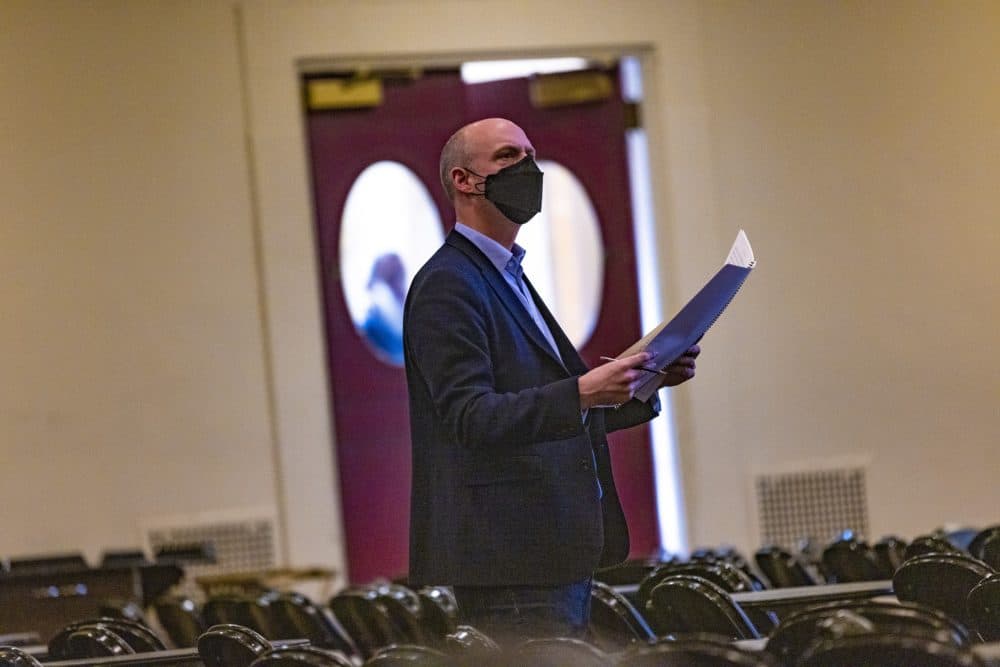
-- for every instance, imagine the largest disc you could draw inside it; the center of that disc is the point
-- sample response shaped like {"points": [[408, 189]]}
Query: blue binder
{"points": [[671, 339]]}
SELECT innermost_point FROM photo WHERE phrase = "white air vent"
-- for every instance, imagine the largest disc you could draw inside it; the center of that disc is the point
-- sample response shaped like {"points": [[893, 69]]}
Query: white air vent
{"points": [[243, 540], [811, 504]]}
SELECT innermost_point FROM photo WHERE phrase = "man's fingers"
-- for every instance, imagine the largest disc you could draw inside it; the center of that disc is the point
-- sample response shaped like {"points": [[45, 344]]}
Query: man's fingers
{"points": [[634, 360]]}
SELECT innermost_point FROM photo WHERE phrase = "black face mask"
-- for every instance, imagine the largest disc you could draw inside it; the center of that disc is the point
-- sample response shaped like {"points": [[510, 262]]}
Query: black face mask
{"points": [[515, 190]]}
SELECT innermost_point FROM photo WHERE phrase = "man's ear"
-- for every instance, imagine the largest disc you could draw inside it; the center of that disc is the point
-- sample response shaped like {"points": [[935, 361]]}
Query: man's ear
{"points": [[461, 182]]}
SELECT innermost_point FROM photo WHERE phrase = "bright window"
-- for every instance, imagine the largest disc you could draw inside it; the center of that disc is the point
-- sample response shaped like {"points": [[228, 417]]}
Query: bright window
{"points": [[390, 227]]}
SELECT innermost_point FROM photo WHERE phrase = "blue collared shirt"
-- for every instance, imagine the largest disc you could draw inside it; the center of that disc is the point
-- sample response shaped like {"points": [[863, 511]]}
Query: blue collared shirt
{"points": [[508, 263]]}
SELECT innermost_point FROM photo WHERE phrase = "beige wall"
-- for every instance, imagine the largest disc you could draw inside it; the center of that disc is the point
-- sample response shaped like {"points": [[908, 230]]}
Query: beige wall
{"points": [[860, 144], [857, 143], [130, 346]]}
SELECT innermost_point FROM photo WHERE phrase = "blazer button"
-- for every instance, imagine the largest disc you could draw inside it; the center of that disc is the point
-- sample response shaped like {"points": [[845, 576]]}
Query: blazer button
{"points": [[585, 464]]}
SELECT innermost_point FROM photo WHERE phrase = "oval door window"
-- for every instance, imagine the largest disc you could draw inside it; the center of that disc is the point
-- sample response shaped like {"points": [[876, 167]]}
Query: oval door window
{"points": [[565, 254], [390, 227]]}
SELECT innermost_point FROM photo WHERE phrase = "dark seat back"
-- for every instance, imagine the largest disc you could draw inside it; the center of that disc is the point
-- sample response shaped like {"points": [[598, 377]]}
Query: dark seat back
{"points": [[694, 653], [929, 544], [849, 559], [800, 630], [129, 610], [365, 619], [887, 651], [558, 652], [293, 615], [89, 641], [983, 604], [243, 610], [782, 569], [468, 641], [403, 607], [629, 572], [890, 552], [409, 655], [728, 577], [976, 544], [11, 656], [103, 636], [730, 556], [181, 619], [986, 546], [614, 621], [724, 573], [689, 604], [301, 656], [228, 645], [942, 581], [438, 613]]}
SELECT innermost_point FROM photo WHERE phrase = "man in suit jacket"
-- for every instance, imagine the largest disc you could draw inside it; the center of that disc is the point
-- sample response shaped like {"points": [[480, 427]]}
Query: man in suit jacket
{"points": [[513, 500]]}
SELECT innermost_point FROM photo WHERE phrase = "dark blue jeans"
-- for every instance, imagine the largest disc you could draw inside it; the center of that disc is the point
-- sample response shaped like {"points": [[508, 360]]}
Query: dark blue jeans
{"points": [[510, 614]]}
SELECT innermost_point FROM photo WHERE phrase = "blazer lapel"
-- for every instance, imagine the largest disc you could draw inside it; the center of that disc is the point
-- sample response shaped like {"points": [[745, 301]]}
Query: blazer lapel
{"points": [[570, 357], [510, 300]]}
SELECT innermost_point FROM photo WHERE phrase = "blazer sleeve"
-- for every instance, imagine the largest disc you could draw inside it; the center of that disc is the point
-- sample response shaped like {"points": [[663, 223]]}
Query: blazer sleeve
{"points": [[448, 342], [631, 414]]}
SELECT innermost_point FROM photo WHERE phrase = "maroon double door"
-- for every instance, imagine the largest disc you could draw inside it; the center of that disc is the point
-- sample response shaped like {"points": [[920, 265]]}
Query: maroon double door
{"points": [[369, 402]]}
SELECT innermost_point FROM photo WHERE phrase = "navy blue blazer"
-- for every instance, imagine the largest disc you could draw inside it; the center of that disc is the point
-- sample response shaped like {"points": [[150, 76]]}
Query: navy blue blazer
{"points": [[504, 488]]}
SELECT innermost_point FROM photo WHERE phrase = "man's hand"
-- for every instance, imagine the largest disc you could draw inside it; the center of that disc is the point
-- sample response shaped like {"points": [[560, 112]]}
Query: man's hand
{"points": [[612, 383], [681, 370]]}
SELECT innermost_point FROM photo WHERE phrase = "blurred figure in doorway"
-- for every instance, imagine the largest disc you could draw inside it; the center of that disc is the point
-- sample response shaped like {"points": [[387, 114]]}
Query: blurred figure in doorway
{"points": [[382, 326]]}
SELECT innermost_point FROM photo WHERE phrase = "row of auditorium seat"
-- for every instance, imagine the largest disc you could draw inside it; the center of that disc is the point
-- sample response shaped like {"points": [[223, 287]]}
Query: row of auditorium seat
{"points": [[959, 586], [357, 621], [663, 612], [679, 605], [847, 558], [360, 621], [102, 642], [870, 632], [931, 570]]}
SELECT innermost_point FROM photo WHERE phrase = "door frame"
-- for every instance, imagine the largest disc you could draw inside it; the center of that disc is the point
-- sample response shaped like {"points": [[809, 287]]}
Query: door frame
{"points": [[277, 47]]}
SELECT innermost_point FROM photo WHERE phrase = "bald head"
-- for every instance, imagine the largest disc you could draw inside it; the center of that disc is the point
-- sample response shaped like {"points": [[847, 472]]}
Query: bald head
{"points": [[478, 145]]}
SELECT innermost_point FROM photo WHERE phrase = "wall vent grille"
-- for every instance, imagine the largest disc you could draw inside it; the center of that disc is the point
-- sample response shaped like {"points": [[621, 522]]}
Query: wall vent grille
{"points": [[243, 541], [812, 505]]}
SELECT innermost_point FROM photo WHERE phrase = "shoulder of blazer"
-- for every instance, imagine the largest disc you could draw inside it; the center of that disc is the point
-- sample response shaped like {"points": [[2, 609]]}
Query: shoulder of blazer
{"points": [[456, 260], [457, 257], [457, 254], [468, 249]]}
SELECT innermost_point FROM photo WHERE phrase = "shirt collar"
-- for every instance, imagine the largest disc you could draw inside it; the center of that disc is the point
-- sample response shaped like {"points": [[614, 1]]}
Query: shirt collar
{"points": [[496, 253]]}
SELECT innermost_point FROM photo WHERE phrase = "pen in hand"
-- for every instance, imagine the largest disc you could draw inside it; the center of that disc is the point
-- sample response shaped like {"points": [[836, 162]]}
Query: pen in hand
{"points": [[641, 368]]}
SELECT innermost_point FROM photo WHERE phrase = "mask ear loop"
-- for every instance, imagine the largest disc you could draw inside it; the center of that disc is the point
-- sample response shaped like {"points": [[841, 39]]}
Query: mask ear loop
{"points": [[480, 187]]}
